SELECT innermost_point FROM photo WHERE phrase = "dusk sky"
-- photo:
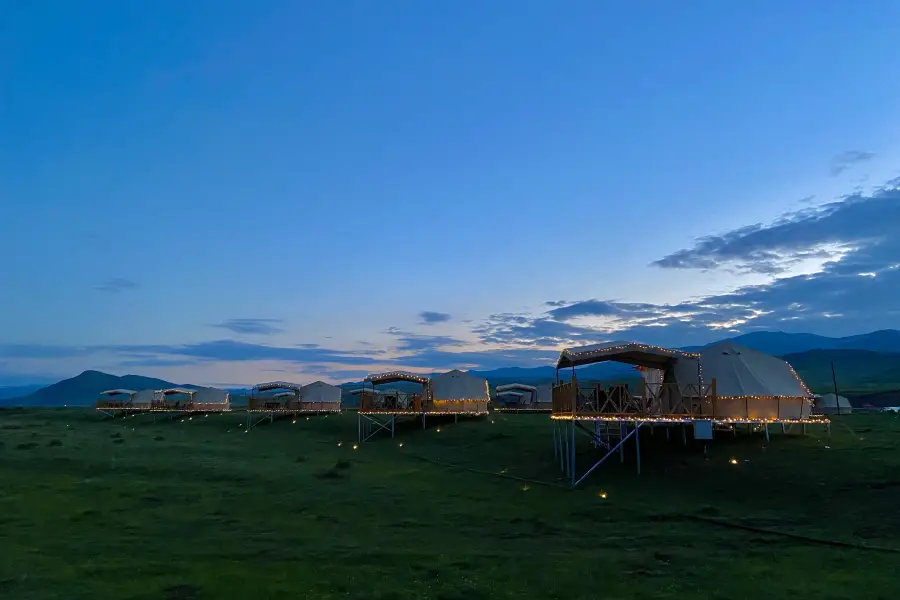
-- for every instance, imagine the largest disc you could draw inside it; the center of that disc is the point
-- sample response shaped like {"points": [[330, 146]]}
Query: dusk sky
{"points": [[232, 192]]}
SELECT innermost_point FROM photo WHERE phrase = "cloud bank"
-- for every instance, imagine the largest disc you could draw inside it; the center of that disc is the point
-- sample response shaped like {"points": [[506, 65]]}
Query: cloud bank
{"points": [[853, 289]]}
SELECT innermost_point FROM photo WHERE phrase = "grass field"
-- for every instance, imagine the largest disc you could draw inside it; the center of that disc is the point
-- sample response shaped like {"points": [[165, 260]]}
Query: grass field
{"points": [[198, 509]]}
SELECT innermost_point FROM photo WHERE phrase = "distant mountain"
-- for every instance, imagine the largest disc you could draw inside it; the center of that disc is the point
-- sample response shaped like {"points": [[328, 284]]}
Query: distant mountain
{"points": [[857, 371], [864, 364], [84, 389], [15, 391], [779, 343]]}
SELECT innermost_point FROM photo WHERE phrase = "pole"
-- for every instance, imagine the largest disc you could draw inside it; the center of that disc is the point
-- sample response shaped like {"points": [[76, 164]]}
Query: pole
{"points": [[837, 399]]}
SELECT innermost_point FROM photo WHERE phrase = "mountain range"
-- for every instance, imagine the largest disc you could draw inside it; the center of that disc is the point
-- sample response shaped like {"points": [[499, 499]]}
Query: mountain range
{"points": [[864, 364]]}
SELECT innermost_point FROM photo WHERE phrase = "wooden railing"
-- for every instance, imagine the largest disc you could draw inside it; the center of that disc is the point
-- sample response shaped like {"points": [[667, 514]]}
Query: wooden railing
{"points": [[654, 400]]}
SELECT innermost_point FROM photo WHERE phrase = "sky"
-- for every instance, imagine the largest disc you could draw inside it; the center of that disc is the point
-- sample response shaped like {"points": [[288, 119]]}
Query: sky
{"points": [[231, 192]]}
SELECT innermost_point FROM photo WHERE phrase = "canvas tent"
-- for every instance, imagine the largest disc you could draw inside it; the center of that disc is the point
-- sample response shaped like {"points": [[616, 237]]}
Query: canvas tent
{"points": [[828, 404], [748, 384], [723, 381], [460, 392], [212, 400], [320, 396]]}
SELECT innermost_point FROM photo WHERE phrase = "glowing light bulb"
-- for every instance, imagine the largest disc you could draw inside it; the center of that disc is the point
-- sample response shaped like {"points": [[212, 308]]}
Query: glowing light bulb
{"points": [[401, 444], [733, 461], [603, 495], [355, 446], [340, 443]]}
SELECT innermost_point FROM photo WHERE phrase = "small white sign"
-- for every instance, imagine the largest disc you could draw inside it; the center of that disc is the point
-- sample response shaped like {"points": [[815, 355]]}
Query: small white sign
{"points": [[703, 430]]}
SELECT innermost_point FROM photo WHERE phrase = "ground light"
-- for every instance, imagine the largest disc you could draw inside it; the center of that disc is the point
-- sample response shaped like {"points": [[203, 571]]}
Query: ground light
{"points": [[400, 444], [356, 446], [525, 488], [602, 494], [340, 443], [733, 461]]}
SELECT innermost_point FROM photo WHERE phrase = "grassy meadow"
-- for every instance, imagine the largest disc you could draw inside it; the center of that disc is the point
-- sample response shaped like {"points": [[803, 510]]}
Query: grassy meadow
{"points": [[199, 509]]}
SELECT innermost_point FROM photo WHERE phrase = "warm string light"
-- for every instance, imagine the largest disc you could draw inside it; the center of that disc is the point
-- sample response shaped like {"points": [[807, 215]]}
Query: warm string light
{"points": [[466, 413], [690, 419], [393, 376]]}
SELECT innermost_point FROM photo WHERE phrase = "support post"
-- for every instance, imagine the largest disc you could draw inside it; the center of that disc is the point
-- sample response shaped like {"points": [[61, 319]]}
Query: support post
{"points": [[767, 432], [573, 453], [637, 446], [684, 434], [622, 447]]}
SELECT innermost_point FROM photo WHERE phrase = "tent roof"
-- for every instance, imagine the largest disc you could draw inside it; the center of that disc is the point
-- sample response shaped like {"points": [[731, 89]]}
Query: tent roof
{"points": [[828, 400], [511, 393], [459, 385], [319, 384], [516, 386], [395, 376], [172, 391], [632, 353], [118, 392], [740, 372], [277, 385]]}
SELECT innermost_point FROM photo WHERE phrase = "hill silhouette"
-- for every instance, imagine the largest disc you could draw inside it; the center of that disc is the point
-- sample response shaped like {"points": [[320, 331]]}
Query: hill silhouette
{"points": [[84, 389], [864, 364]]}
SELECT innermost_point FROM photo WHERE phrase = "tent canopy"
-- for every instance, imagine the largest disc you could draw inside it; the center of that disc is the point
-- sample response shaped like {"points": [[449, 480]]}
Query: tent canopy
{"points": [[395, 376], [118, 392], [458, 385], [741, 372], [511, 394], [631, 353], [173, 391], [516, 386], [276, 385]]}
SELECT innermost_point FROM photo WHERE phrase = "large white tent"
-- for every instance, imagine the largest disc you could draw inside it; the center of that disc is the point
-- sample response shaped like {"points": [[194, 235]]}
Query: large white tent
{"points": [[321, 393], [458, 391], [831, 404], [748, 384]]}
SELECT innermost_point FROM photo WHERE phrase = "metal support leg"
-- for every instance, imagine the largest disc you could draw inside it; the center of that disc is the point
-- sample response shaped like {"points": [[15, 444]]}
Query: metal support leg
{"points": [[573, 453], [637, 447], [393, 425], [767, 432], [667, 434], [684, 434], [554, 441], [622, 447]]}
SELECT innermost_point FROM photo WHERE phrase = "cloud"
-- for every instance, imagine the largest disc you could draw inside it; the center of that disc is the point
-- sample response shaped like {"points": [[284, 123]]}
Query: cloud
{"points": [[114, 285], [840, 231], [430, 318], [251, 326], [417, 342], [853, 291], [848, 159]]}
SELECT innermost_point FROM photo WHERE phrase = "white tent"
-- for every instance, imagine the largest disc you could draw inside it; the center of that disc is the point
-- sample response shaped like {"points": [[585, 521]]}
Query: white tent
{"points": [[826, 404], [749, 384], [457, 391], [543, 394], [321, 392]]}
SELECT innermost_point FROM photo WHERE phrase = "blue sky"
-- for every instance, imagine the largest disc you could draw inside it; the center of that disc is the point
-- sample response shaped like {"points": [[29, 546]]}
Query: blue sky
{"points": [[231, 192]]}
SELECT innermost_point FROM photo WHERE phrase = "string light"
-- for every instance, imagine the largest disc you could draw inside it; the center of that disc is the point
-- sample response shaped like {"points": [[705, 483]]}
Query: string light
{"points": [[393, 376]]}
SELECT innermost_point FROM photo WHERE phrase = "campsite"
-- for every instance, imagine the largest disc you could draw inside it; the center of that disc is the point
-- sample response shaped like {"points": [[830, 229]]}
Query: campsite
{"points": [[130, 508]]}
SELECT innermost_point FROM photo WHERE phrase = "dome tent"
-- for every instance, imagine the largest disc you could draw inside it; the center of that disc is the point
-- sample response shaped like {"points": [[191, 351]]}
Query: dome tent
{"points": [[830, 404]]}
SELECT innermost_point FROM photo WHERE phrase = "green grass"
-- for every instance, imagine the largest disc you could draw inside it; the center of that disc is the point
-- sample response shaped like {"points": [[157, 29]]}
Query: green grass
{"points": [[131, 509]]}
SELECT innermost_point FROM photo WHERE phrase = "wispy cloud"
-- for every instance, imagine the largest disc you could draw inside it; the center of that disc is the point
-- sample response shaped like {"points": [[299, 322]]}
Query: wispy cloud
{"points": [[854, 290], [114, 285], [430, 318], [251, 326], [848, 159]]}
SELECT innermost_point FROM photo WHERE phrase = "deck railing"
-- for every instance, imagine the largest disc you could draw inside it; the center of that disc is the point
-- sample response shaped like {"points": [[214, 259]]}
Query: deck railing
{"points": [[662, 400]]}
